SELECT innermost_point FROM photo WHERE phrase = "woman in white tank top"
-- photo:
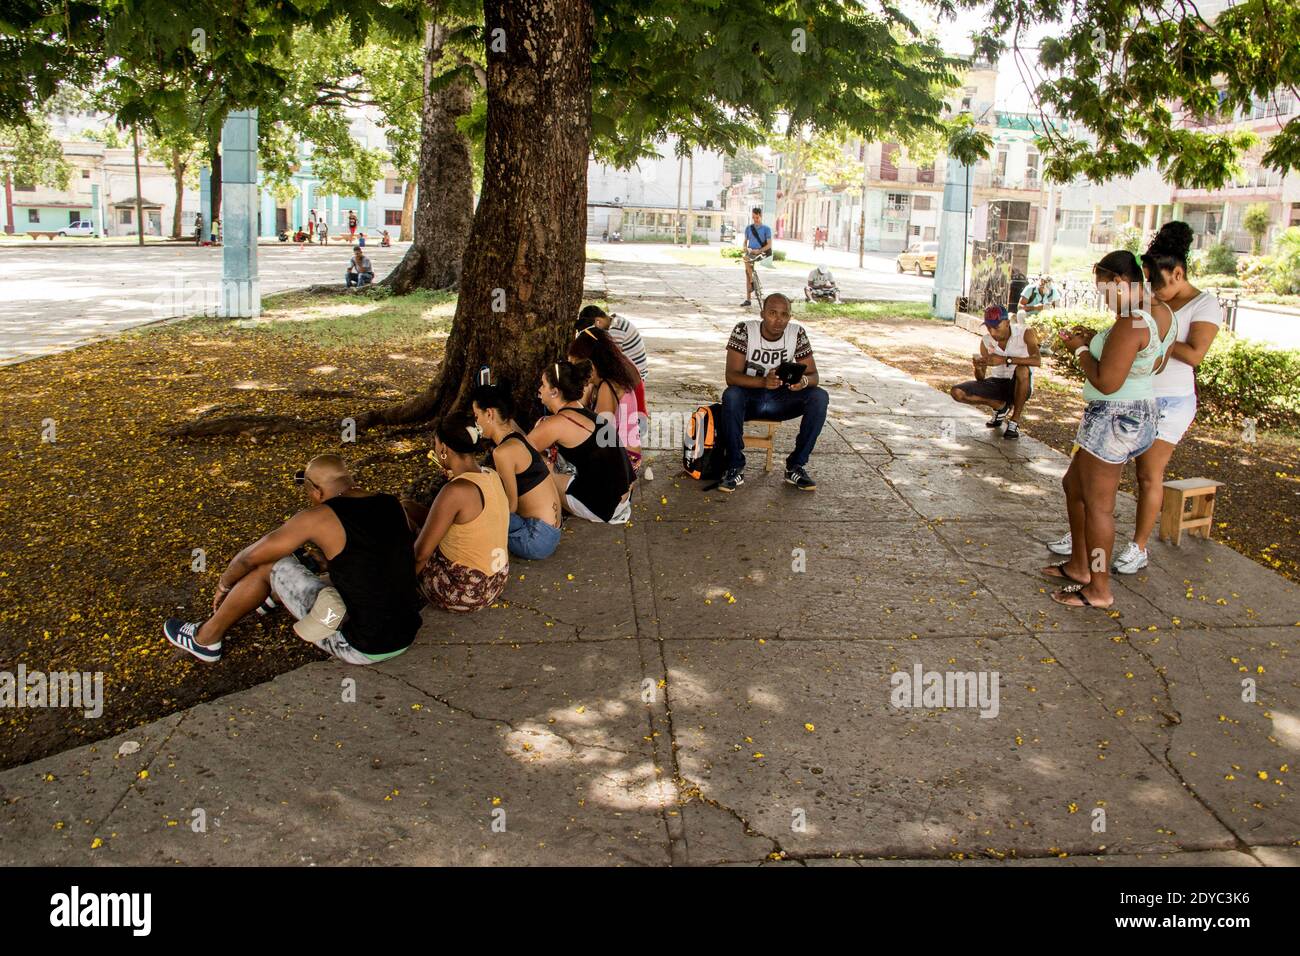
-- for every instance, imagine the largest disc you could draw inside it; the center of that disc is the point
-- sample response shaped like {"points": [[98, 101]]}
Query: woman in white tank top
{"points": [[1198, 315]]}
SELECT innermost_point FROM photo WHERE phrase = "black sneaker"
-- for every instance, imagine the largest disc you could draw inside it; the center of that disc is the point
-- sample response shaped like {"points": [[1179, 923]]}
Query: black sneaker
{"points": [[181, 634], [800, 479], [732, 480], [1012, 432], [999, 416], [746, 304]]}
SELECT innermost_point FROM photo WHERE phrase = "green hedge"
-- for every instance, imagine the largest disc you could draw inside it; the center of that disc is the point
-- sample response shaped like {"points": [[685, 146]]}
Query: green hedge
{"points": [[1237, 379]]}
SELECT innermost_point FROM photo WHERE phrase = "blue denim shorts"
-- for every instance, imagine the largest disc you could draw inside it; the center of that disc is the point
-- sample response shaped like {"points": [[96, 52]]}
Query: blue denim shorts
{"points": [[532, 538], [1117, 432]]}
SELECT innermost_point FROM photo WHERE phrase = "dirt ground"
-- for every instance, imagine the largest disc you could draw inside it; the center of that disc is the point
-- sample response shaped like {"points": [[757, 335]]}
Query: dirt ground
{"points": [[1257, 512], [102, 528]]}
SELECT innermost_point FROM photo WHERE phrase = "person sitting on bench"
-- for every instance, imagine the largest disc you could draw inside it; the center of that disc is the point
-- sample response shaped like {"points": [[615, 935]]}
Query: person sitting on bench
{"points": [[765, 382], [1004, 377]]}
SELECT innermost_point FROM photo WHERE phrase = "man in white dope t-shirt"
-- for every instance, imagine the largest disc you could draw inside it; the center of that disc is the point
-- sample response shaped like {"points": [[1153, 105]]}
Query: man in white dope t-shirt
{"points": [[1199, 316], [771, 374]]}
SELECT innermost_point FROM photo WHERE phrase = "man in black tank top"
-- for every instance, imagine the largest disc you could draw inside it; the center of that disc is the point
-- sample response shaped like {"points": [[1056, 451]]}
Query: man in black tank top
{"points": [[369, 609]]}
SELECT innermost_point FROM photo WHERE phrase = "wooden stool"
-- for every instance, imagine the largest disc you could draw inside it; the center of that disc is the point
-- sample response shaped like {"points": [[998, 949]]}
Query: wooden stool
{"points": [[763, 440], [1173, 520]]}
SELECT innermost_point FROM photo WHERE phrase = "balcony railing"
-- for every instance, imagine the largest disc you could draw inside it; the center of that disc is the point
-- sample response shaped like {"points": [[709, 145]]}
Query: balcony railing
{"points": [[902, 174]]}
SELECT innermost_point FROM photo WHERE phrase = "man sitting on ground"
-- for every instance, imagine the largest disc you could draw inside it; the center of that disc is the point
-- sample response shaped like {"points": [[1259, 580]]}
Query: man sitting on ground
{"points": [[367, 612], [1004, 377], [821, 285], [360, 271], [757, 349], [1036, 298]]}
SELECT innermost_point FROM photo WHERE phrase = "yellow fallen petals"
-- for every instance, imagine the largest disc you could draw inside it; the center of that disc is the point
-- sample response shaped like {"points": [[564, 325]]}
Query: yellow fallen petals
{"points": [[809, 727]]}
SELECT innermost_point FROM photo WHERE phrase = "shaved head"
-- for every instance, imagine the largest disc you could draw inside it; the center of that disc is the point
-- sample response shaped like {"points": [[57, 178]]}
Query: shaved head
{"points": [[329, 473]]}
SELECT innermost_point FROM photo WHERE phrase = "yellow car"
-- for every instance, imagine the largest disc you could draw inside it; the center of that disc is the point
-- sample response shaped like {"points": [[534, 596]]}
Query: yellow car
{"points": [[920, 257]]}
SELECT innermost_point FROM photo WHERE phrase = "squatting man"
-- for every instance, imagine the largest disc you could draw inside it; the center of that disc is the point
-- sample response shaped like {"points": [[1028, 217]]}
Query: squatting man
{"points": [[1004, 377]]}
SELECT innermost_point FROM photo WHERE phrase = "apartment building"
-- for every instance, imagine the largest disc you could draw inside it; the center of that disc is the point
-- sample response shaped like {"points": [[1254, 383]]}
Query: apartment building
{"points": [[1092, 213], [642, 204]]}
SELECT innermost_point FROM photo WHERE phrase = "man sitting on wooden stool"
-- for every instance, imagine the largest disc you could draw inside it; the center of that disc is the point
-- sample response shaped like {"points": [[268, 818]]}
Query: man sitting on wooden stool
{"points": [[772, 375], [1004, 377]]}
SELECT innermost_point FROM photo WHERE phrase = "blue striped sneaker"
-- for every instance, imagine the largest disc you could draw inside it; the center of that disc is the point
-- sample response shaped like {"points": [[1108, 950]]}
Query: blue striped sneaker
{"points": [[181, 634]]}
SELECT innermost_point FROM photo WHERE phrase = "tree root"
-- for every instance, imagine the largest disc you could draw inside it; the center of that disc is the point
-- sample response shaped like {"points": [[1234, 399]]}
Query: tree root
{"points": [[220, 425]]}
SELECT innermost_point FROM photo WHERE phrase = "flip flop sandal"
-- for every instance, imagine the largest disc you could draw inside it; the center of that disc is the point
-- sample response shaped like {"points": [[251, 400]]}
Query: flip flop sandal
{"points": [[1061, 575], [1077, 591]]}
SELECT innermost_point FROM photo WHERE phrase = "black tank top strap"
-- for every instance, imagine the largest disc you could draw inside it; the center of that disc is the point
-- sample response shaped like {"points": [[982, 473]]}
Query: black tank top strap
{"points": [[535, 473]]}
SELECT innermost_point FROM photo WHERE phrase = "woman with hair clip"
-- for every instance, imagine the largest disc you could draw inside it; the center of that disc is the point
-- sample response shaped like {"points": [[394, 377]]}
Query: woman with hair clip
{"points": [[612, 388], [1119, 422], [1199, 316], [461, 555], [534, 502], [601, 489]]}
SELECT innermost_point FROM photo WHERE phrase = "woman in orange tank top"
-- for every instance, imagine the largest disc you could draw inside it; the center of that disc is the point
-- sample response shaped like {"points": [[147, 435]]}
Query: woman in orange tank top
{"points": [[461, 554]]}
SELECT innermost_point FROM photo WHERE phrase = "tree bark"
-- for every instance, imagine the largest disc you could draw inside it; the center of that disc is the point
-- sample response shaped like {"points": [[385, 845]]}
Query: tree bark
{"points": [[407, 229], [214, 183], [444, 204], [178, 178], [521, 284]]}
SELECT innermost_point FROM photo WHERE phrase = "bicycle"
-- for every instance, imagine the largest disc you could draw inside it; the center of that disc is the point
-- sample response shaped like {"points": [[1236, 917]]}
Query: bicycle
{"points": [[754, 260]]}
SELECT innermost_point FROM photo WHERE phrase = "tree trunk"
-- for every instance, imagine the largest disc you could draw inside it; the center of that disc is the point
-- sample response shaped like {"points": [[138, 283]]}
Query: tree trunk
{"points": [[408, 211], [178, 178], [444, 205], [214, 183], [677, 212], [521, 285], [139, 199]]}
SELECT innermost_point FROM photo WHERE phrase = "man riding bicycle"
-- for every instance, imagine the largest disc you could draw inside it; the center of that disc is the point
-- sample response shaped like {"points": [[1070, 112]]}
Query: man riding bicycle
{"points": [[758, 245]]}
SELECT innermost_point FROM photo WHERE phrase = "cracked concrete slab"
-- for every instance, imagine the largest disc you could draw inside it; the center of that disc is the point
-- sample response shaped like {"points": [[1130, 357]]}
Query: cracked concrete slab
{"points": [[867, 778], [744, 582], [436, 747]]}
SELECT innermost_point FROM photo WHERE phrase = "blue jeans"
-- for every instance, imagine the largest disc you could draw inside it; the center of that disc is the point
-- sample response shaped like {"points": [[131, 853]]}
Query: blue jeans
{"points": [[740, 405], [532, 538], [358, 279]]}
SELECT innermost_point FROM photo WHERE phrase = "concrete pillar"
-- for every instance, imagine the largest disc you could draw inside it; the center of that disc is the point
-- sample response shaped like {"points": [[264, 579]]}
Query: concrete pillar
{"points": [[950, 267], [240, 293], [1149, 225], [1048, 226]]}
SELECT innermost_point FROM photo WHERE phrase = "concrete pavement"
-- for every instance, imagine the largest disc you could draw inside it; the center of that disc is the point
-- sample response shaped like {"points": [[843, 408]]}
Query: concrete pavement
{"points": [[62, 295], [716, 682]]}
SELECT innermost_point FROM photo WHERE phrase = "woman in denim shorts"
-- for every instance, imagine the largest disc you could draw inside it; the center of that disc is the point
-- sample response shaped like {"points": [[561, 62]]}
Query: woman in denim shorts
{"points": [[1118, 424]]}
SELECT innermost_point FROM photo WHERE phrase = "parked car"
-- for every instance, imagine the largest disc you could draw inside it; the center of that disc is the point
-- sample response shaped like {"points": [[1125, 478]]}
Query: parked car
{"points": [[920, 257], [82, 227]]}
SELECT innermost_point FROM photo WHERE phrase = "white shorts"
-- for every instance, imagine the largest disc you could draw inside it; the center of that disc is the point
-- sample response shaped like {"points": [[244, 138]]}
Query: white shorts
{"points": [[296, 588], [1176, 414], [622, 514]]}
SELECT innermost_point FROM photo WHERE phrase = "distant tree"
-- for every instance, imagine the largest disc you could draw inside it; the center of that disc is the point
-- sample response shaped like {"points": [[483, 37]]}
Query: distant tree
{"points": [[1257, 221]]}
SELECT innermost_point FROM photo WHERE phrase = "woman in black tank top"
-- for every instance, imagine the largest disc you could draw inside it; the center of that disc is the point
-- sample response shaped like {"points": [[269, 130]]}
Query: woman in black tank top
{"points": [[601, 489], [534, 500]]}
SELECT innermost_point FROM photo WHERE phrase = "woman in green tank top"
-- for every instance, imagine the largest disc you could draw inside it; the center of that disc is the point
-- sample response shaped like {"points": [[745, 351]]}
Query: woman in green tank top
{"points": [[1118, 424]]}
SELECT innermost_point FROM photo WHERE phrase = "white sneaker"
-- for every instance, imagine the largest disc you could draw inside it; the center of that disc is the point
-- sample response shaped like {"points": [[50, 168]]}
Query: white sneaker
{"points": [[1129, 561], [1061, 545]]}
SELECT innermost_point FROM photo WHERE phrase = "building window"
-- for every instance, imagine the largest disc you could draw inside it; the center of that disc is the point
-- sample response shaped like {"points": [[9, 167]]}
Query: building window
{"points": [[1295, 214], [393, 187], [74, 216], [921, 203], [85, 174], [33, 215], [929, 234], [392, 217], [124, 216]]}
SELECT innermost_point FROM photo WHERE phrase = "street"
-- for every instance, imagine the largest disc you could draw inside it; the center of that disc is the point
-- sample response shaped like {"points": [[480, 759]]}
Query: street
{"points": [[59, 295]]}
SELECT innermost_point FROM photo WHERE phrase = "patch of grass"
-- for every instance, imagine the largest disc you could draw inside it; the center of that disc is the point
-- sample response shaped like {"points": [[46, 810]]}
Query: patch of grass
{"points": [[866, 311], [334, 319]]}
